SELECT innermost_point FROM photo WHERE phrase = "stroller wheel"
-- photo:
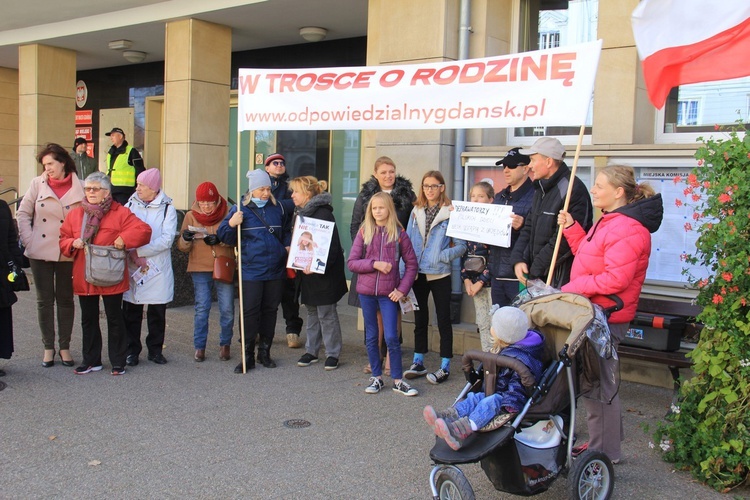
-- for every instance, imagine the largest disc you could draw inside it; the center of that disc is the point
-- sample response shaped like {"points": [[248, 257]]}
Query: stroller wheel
{"points": [[592, 476], [452, 485]]}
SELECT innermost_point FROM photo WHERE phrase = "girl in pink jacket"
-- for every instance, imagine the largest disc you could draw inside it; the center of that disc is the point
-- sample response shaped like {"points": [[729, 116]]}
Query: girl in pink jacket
{"points": [[612, 260], [376, 251]]}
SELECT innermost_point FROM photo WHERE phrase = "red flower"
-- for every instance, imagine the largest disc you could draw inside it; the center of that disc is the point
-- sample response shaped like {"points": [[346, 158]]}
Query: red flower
{"points": [[717, 127], [696, 197], [688, 226], [677, 178], [687, 191], [707, 184], [742, 300], [696, 216], [693, 180], [718, 299], [700, 162], [724, 198], [678, 202], [727, 276]]}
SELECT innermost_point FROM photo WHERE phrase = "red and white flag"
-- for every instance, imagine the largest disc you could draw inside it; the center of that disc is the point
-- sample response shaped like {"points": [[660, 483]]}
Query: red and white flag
{"points": [[691, 41]]}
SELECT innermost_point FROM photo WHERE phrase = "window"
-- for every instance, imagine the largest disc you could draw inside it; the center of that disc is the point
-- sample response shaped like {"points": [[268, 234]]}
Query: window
{"points": [[691, 110], [687, 112], [546, 24]]}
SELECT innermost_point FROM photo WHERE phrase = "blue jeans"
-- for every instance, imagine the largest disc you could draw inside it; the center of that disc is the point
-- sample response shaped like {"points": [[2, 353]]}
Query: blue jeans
{"points": [[203, 282], [390, 311], [480, 409]]}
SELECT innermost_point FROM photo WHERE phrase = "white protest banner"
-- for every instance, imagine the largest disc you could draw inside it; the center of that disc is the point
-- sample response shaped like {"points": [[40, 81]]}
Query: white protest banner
{"points": [[541, 88], [481, 222], [311, 240]]}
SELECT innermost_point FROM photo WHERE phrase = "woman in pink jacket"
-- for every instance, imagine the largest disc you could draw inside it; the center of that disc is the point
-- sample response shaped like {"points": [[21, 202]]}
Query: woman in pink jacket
{"points": [[41, 213], [377, 249], [612, 260]]}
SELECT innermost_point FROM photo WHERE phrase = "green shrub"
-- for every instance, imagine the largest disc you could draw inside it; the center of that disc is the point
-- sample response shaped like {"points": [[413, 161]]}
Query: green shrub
{"points": [[709, 432]]}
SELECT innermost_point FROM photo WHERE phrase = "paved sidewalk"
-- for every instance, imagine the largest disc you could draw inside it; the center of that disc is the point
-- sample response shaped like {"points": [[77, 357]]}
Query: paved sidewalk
{"points": [[197, 430]]}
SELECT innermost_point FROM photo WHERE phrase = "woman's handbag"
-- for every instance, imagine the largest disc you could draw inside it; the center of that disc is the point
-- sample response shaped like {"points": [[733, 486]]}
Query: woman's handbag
{"points": [[224, 268], [19, 282], [475, 264], [105, 265]]}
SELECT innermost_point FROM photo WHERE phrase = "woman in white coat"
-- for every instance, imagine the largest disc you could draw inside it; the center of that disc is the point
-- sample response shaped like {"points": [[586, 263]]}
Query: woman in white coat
{"points": [[151, 264]]}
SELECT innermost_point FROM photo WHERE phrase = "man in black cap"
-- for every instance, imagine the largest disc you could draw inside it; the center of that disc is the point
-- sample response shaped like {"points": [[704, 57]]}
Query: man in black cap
{"points": [[519, 193], [124, 163], [85, 164]]}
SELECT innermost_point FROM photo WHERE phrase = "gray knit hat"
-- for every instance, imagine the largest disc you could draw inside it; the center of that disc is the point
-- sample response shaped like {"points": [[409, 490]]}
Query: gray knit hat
{"points": [[509, 324], [258, 179]]}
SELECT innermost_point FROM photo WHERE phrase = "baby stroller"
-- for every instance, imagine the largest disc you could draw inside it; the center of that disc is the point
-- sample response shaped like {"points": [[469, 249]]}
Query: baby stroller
{"points": [[525, 456]]}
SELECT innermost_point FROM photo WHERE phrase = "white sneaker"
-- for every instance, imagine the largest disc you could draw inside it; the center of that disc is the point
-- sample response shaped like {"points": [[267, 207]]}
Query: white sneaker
{"points": [[403, 388], [375, 385]]}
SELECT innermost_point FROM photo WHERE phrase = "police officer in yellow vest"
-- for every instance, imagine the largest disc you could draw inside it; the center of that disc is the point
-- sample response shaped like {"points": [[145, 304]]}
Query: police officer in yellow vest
{"points": [[124, 163]]}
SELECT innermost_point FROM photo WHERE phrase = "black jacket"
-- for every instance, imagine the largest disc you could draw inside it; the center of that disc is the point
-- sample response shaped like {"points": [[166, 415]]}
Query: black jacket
{"points": [[328, 288], [500, 261], [402, 194], [9, 252], [536, 243]]}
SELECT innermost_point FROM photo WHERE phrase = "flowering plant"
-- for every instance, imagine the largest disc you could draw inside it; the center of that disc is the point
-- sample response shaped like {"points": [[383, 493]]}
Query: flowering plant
{"points": [[709, 433]]}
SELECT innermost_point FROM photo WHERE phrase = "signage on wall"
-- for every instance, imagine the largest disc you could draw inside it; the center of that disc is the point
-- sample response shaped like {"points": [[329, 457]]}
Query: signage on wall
{"points": [[84, 117], [85, 132], [82, 93]]}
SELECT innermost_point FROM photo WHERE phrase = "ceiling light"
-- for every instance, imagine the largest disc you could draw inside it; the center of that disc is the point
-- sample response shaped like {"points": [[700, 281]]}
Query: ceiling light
{"points": [[134, 56], [313, 34], [120, 44]]}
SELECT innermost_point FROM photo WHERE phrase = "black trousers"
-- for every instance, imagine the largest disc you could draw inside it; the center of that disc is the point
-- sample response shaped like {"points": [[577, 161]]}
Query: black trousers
{"points": [[290, 307], [441, 295], [156, 321], [260, 305], [117, 342]]}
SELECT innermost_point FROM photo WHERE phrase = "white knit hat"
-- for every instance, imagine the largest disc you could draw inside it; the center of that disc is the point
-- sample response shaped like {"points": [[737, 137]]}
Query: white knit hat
{"points": [[509, 324]]}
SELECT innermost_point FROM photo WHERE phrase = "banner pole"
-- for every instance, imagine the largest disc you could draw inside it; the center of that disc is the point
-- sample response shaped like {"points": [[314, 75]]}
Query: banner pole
{"points": [[565, 206], [239, 251]]}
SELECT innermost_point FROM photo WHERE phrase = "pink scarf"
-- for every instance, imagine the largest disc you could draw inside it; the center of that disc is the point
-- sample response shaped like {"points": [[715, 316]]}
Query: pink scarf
{"points": [[94, 215]]}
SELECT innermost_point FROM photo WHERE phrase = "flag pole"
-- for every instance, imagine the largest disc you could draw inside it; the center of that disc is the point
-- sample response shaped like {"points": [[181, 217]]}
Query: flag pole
{"points": [[565, 206], [239, 251]]}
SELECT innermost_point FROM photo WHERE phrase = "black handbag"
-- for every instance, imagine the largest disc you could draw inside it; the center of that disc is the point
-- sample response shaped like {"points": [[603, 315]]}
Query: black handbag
{"points": [[19, 282]]}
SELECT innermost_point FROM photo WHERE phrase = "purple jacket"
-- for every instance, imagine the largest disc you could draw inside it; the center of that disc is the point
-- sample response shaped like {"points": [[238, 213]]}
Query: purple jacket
{"points": [[362, 258]]}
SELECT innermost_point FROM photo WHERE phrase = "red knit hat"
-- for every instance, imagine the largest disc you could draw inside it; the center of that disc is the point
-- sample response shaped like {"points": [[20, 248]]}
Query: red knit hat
{"points": [[275, 156], [206, 192]]}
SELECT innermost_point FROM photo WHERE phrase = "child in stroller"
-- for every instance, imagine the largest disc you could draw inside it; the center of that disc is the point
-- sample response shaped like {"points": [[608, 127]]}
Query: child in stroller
{"points": [[513, 338]]}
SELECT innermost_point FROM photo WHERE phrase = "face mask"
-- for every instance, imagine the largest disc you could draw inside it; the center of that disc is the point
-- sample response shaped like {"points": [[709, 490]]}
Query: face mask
{"points": [[260, 203]]}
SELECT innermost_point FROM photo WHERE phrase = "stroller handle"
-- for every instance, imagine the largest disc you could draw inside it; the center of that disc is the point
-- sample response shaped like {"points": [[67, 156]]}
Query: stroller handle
{"points": [[491, 364], [619, 304]]}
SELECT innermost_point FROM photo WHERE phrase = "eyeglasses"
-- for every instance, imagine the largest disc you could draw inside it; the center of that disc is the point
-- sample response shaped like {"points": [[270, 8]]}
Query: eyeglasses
{"points": [[430, 187], [92, 189], [278, 163], [206, 203], [513, 167]]}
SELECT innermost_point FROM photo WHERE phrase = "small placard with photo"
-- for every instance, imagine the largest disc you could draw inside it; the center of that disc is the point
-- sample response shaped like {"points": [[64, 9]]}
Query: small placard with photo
{"points": [[311, 240]]}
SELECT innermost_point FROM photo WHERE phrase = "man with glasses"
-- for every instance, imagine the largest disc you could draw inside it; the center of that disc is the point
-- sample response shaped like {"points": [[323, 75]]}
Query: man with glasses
{"points": [[519, 193], [276, 169], [532, 255]]}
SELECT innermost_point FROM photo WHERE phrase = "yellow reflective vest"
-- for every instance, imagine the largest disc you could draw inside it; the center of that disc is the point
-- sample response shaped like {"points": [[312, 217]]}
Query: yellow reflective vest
{"points": [[121, 173]]}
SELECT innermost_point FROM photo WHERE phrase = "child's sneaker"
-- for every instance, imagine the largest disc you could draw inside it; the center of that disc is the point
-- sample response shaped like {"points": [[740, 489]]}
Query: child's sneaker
{"points": [[375, 385], [84, 369], [438, 377], [403, 388], [307, 359], [415, 370], [455, 432], [431, 416]]}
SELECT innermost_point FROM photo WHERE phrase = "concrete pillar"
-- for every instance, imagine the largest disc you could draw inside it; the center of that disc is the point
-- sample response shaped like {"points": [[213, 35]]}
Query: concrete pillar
{"points": [[9, 130], [46, 102], [197, 74], [622, 113]]}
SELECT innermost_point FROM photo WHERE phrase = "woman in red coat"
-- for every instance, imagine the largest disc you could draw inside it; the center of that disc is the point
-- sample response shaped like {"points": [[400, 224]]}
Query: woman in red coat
{"points": [[612, 260], [107, 223]]}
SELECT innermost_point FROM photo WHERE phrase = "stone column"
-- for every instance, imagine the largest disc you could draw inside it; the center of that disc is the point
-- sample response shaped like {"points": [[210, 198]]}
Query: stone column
{"points": [[197, 73], [622, 112], [9, 130], [46, 102]]}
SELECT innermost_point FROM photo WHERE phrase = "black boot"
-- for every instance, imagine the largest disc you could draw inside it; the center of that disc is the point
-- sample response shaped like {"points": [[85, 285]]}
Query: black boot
{"points": [[249, 359], [264, 357]]}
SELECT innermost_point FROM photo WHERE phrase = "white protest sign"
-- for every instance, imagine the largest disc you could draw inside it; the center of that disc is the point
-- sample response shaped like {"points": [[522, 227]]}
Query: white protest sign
{"points": [[541, 88], [481, 222], [311, 240]]}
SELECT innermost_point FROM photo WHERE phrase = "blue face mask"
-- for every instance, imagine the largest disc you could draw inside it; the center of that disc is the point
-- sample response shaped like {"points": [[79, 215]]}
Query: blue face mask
{"points": [[260, 203]]}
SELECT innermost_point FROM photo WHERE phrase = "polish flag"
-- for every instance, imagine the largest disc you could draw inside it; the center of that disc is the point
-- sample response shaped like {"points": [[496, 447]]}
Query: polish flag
{"points": [[691, 41]]}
